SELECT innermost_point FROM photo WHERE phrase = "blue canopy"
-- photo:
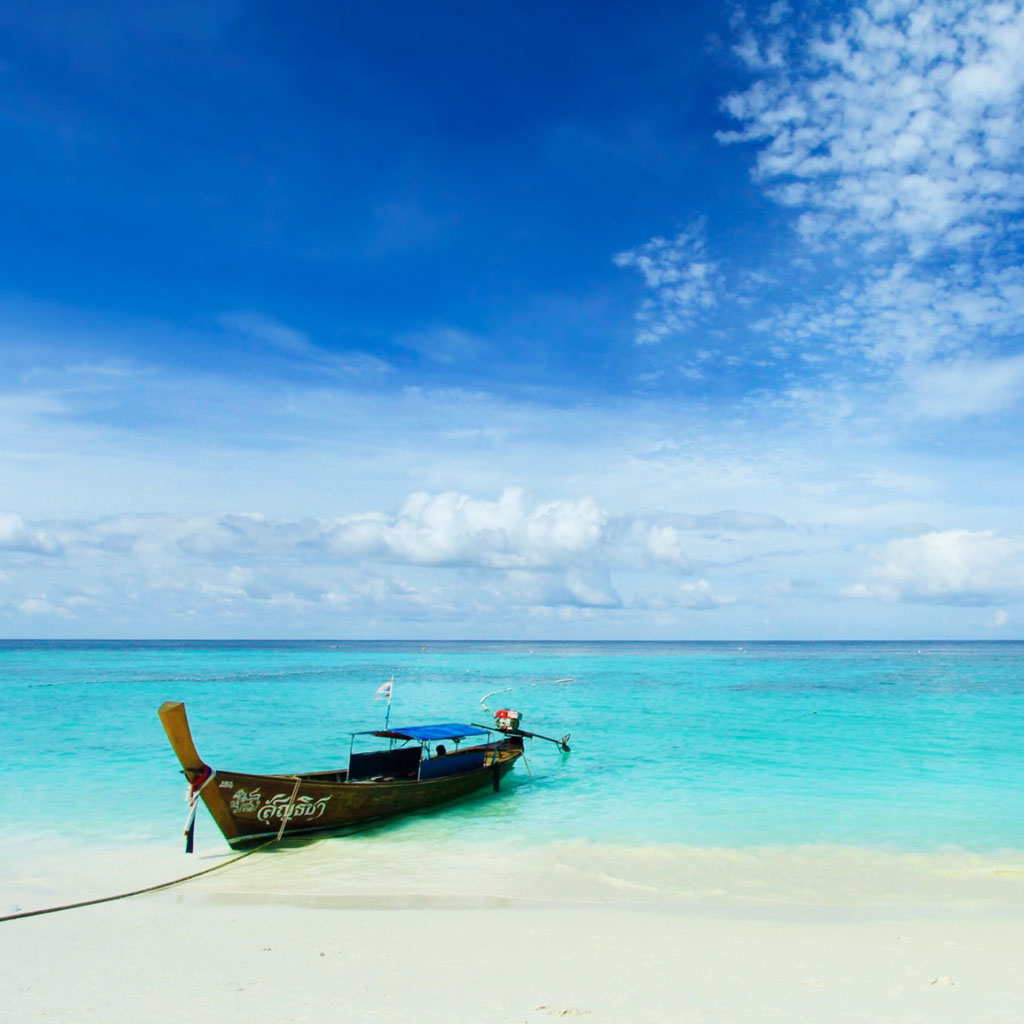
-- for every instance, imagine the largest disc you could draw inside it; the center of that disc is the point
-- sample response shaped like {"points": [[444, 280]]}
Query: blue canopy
{"points": [[446, 731]]}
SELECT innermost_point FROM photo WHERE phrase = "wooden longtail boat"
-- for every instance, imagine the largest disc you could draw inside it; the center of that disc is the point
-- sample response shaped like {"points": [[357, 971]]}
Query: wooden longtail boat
{"points": [[410, 775]]}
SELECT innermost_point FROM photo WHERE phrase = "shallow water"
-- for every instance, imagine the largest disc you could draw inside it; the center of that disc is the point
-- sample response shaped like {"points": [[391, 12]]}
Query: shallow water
{"points": [[907, 749]]}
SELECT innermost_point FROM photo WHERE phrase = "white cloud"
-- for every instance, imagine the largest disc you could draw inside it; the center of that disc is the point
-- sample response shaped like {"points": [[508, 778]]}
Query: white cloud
{"points": [[41, 606], [894, 314], [967, 386], [16, 536], [446, 345], [697, 594], [664, 544], [897, 124], [340, 547], [691, 595], [895, 134], [593, 592], [456, 529], [442, 556], [956, 567], [682, 280], [267, 330], [449, 563], [299, 349]]}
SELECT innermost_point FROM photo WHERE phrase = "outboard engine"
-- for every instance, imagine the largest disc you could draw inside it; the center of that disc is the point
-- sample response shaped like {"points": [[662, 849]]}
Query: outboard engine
{"points": [[507, 720]]}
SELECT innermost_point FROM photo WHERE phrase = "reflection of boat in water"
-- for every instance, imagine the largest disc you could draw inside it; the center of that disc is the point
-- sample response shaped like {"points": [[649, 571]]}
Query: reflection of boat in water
{"points": [[413, 773]]}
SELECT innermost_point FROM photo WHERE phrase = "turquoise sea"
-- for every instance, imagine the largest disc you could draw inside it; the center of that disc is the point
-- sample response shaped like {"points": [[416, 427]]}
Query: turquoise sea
{"points": [[906, 749]]}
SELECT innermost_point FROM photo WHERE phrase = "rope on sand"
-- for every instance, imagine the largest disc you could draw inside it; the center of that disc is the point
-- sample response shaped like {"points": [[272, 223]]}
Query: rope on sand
{"points": [[137, 892], [347, 831]]}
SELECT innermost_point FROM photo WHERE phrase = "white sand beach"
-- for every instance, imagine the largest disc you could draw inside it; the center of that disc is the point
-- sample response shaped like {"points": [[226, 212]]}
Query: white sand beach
{"points": [[320, 935], [157, 960]]}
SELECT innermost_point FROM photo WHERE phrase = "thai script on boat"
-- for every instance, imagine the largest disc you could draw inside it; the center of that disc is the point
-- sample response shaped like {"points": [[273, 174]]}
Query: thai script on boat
{"points": [[303, 807], [245, 802]]}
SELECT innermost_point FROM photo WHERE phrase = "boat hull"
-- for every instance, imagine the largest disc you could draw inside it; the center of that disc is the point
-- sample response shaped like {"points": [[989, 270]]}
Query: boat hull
{"points": [[252, 809]]}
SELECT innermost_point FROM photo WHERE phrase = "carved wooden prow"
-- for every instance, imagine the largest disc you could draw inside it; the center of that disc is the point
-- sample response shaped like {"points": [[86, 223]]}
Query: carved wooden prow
{"points": [[175, 723]]}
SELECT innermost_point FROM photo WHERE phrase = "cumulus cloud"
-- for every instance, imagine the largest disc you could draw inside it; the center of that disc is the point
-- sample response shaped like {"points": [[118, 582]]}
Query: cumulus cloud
{"points": [[683, 283], [453, 558], [439, 556], [954, 567], [665, 544], [15, 535], [445, 530], [456, 529]]}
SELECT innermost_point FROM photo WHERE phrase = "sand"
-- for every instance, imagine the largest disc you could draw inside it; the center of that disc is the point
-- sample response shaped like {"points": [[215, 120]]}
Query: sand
{"points": [[155, 960], [264, 939]]}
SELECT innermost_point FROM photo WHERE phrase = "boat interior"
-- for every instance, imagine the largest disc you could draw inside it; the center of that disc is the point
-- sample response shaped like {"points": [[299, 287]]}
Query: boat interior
{"points": [[401, 764]]}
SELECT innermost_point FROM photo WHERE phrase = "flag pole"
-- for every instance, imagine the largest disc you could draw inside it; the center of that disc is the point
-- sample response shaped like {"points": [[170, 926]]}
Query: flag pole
{"points": [[384, 690]]}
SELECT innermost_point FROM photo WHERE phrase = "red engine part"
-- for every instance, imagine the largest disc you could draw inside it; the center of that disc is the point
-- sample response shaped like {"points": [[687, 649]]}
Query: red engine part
{"points": [[507, 720]]}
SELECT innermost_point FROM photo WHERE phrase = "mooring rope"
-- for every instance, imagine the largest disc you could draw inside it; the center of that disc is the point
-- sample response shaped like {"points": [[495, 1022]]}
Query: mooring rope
{"points": [[137, 892], [288, 810], [193, 806], [344, 830]]}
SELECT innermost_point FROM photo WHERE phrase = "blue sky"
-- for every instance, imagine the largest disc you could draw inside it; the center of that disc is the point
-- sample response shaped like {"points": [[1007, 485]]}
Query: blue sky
{"points": [[512, 320]]}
